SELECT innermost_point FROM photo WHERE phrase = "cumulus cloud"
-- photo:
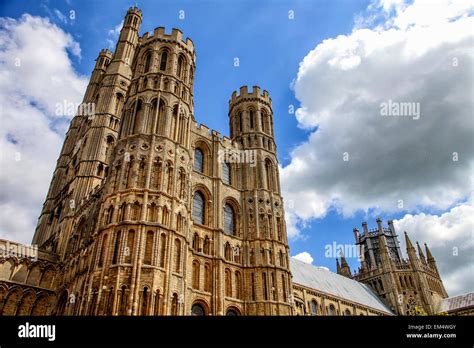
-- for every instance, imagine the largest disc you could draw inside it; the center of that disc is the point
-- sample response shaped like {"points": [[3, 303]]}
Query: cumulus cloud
{"points": [[355, 158], [450, 239], [304, 257], [36, 76], [114, 34]]}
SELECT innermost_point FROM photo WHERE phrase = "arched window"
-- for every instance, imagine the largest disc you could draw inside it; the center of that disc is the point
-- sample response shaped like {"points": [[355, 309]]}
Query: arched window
{"points": [[177, 258], [103, 251], [207, 246], [207, 278], [162, 249], [195, 275], [129, 248], [180, 68], [232, 313], [116, 247], [199, 208], [197, 310], [198, 160], [174, 304], [251, 119], [228, 283], [196, 242], [347, 312], [226, 173], [147, 62], [332, 310], [228, 252], [229, 220], [314, 307], [269, 174], [148, 248], [163, 60], [145, 301], [238, 285]]}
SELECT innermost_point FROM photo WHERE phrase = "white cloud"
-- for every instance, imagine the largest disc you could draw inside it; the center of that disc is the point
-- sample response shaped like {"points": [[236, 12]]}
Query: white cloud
{"points": [[393, 164], [36, 74], [304, 257], [451, 241], [114, 34]]}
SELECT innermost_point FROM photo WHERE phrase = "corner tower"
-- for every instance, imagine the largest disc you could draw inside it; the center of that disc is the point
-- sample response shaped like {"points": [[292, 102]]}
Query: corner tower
{"points": [[409, 286], [267, 272]]}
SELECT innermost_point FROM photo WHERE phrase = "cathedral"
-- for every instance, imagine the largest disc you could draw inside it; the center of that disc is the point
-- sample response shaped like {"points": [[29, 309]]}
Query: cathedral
{"points": [[151, 213]]}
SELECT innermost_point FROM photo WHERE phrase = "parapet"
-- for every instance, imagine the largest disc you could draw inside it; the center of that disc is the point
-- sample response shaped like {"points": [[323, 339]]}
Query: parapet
{"points": [[244, 94], [106, 52], [175, 36], [135, 10]]}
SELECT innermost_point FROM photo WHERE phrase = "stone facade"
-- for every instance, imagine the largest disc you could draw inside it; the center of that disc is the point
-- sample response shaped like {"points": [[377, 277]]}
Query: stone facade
{"points": [[408, 286], [149, 213]]}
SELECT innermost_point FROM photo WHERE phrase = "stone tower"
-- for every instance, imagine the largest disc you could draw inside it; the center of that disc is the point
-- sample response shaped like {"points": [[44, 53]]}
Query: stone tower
{"points": [[84, 159], [151, 214], [409, 286], [251, 127]]}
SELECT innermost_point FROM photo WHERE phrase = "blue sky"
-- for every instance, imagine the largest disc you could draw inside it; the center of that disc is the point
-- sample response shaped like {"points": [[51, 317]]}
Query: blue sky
{"points": [[271, 48]]}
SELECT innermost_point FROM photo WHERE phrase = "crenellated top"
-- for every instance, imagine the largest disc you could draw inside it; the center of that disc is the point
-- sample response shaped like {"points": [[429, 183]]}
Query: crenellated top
{"points": [[135, 10], [245, 95], [175, 36]]}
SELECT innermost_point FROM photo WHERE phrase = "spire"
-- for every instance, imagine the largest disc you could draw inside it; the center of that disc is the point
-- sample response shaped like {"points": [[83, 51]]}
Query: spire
{"points": [[420, 253], [345, 270], [429, 257], [408, 242], [337, 266]]}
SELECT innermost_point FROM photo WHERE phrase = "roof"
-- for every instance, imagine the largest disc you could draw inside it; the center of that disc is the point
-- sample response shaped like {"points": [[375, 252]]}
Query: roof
{"points": [[334, 284], [456, 302]]}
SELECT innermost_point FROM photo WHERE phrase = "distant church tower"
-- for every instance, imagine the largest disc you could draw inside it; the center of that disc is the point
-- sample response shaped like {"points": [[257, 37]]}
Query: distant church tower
{"points": [[151, 214], [409, 286]]}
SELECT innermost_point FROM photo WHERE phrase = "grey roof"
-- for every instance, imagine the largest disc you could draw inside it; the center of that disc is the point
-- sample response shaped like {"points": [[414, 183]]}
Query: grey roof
{"points": [[334, 284], [456, 302]]}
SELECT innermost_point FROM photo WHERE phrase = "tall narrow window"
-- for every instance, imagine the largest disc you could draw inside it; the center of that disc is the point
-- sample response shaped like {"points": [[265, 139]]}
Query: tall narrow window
{"points": [[177, 255], [163, 61], [228, 283], [147, 63], [229, 220], [269, 174], [162, 249], [265, 286], [198, 161], [144, 299], [226, 170], [283, 284], [148, 248], [180, 68], [116, 247], [129, 248], [196, 275], [314, 307], [207, 278], [252, 282], [103, 251], [238, 285], [198, 208], [251, 116]]}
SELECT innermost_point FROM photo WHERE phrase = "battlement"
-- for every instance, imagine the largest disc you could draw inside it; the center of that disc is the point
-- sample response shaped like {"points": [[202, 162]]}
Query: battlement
{"points": [[135, 10], [106, 52], [244, 94], [212, 134], [175, 36]]}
